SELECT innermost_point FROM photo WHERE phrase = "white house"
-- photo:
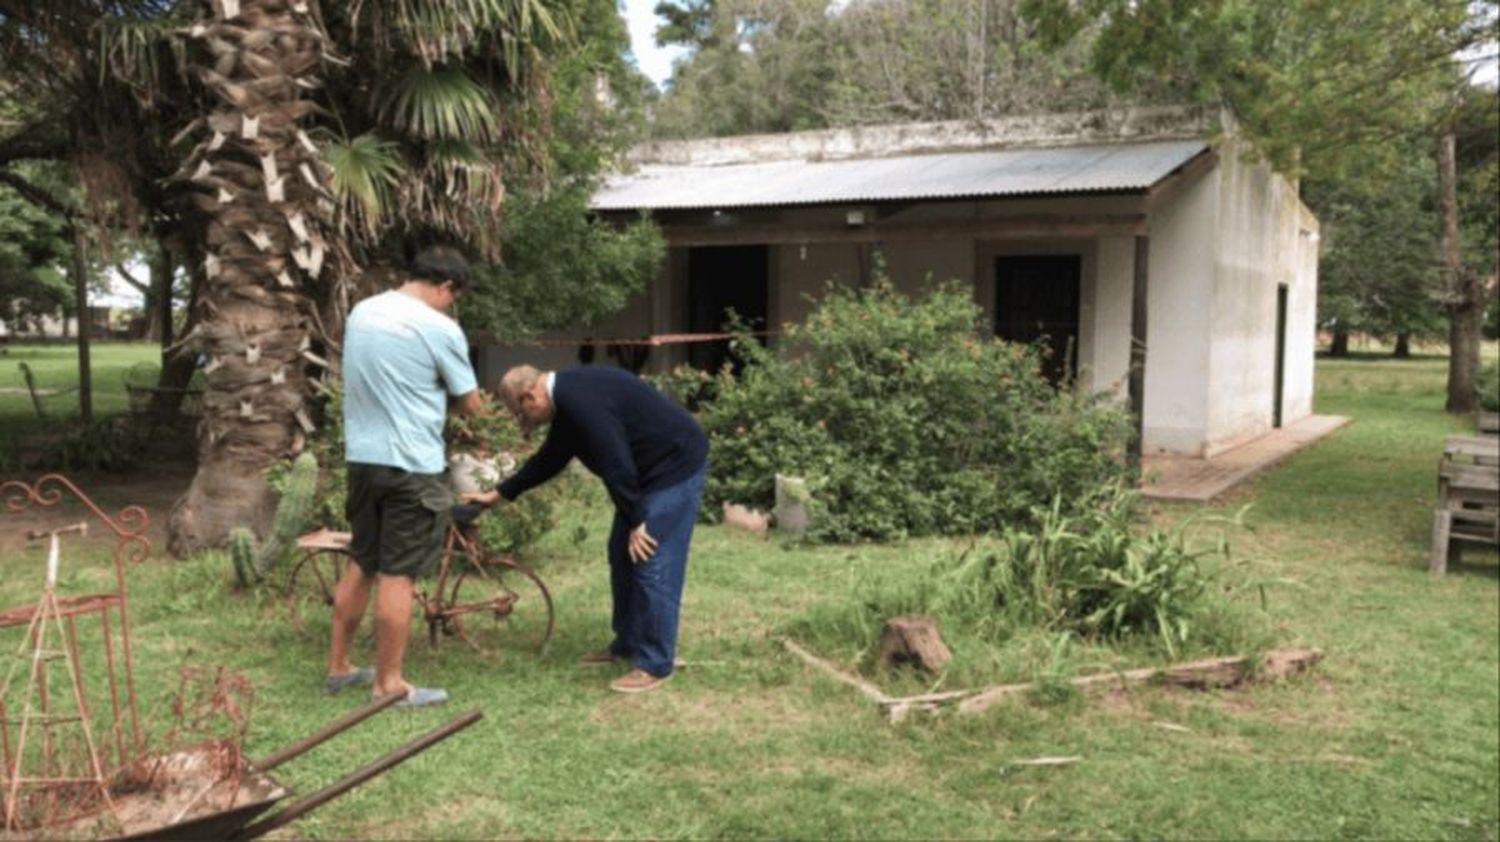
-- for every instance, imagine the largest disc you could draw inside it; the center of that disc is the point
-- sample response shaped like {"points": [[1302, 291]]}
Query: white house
{"points": [[1081, 230]]}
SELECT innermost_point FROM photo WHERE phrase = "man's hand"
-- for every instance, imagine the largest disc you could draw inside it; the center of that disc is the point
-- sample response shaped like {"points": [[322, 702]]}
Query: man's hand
{"points": [[483, 498], [642, 545]]}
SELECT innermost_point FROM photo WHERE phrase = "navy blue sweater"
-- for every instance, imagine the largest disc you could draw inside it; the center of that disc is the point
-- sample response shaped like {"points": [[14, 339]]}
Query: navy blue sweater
{"points": [[621, 428]]}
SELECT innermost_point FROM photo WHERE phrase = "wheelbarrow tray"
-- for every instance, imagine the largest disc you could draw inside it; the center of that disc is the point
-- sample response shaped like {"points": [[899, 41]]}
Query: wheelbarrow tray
{"points": [[259, 792]]}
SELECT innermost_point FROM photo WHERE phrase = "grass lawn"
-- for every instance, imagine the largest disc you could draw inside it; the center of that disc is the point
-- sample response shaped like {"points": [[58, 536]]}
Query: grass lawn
{"points": [[1395, 735], [55, 366]]}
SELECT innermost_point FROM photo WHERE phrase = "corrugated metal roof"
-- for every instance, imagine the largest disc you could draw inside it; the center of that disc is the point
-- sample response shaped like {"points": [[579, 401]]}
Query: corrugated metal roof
{"points": [[1008, 172]]}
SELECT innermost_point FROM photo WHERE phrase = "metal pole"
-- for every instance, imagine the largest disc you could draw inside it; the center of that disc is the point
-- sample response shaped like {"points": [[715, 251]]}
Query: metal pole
{"points": [[81, 293], [327, 732], [354, 779]]}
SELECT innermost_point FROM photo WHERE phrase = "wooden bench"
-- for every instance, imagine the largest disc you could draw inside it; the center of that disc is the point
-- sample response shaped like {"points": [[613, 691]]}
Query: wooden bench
{"points": [[1468, 508]]}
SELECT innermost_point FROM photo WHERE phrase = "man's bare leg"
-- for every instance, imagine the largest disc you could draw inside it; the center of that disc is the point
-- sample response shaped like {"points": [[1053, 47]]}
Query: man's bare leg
{"points": [[350, 597], [393, 595]]}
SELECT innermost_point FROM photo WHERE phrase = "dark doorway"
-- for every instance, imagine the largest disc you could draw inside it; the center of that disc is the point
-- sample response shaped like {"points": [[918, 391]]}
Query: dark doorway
{"points": [[1036, 301], [1280, 354], [721, 279]]}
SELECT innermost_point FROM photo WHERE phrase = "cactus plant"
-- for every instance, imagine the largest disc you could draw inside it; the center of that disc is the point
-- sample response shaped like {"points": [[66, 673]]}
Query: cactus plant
{"points": [[242, 553], [291, 513], [251, 562]]}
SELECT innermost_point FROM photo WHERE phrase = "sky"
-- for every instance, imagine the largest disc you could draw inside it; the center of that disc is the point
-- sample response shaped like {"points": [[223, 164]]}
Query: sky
{"points": [[654, 61]]}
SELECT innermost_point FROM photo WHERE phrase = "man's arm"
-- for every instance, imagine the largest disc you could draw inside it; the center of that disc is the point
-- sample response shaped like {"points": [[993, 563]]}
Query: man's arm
{"points": [[470, 403], [546, 463]]}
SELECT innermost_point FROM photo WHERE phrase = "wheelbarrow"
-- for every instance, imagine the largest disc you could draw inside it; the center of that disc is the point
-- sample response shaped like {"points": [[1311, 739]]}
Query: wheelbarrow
{"points": [[262, 792]]}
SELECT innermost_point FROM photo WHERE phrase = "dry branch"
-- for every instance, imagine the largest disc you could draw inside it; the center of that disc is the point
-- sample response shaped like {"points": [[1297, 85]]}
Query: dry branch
{"points": [[1198, 675], [837, 674]]}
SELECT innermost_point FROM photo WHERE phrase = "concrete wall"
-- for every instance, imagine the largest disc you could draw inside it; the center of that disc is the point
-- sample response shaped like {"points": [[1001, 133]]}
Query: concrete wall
{"points": [[1261, 245], [1302, 322], [1180, 266]]}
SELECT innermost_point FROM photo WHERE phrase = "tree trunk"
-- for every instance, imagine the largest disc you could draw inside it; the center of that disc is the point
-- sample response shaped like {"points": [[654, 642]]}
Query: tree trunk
{"points": [[1339, 346], [1403, 346], [159, 315], [1461, 289], [913, 639], [81, 293], [260, 184]]}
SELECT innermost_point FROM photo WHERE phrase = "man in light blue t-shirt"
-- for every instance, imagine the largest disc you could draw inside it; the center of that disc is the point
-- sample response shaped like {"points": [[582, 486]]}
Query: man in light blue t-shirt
{"points": [[406, 363]]}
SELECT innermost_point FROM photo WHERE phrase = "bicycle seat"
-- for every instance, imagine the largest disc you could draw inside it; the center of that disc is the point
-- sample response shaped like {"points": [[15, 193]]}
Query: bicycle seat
{"points": [[464, 514]]}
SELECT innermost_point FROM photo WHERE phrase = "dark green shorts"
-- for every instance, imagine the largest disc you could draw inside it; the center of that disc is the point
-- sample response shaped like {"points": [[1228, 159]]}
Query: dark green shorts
{"points": [[398, 518]]}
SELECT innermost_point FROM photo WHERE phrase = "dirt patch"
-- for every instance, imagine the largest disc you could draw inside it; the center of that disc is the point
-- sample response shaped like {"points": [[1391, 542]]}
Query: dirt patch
{"points": [[153, 489]]}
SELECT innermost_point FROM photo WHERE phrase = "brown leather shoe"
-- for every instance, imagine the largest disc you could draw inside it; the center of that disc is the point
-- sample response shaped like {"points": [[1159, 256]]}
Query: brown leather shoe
{"points": [[602, 657], [637, 681]]}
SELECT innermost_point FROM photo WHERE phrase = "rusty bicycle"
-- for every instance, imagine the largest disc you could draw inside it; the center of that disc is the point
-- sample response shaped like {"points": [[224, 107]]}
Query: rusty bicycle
{"points": [[470, 583]]}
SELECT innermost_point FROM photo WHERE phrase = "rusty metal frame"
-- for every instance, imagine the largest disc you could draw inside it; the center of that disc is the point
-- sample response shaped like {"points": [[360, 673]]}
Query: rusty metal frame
{"points": [[131, 546]]}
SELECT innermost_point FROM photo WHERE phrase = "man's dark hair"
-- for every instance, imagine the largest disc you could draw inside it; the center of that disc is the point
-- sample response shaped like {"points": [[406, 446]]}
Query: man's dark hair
{"points": [[438, 264]]}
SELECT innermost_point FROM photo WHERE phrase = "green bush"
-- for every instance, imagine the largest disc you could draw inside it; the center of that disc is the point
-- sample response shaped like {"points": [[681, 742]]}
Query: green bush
{"points": [[1489, 387], [110, 444], [905, 421]]}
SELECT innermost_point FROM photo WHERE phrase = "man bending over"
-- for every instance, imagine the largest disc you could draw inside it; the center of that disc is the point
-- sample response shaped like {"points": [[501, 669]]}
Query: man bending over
{"points": [[653, 458]]}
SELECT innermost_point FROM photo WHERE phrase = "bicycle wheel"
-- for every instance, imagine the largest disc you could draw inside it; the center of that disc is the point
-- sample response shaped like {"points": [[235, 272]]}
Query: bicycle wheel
{"points": [[501, 602], [309, 590]]}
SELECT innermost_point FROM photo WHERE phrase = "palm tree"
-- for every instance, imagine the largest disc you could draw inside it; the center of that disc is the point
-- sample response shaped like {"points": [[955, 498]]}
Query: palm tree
{"points": [[318, 138], [331, 130]]}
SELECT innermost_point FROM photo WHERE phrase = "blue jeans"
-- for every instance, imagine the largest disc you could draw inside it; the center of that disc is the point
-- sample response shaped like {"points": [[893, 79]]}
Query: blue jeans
{"points": [[647, 596]]}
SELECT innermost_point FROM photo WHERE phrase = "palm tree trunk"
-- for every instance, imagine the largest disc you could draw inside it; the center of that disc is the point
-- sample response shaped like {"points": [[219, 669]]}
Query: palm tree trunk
{"points": [[262, 182]]}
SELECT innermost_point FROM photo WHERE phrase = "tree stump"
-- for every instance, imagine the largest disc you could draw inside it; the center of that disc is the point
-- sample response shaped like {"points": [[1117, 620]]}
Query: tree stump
{"points": [[913, 639]]}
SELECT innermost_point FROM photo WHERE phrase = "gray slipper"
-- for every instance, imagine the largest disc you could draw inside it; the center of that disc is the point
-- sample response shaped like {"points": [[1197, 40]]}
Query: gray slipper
{"points": [[334, 683], [421, 697]]}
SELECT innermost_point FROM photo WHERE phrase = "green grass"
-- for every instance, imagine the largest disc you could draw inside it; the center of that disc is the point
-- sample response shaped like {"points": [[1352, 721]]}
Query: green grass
{"points": [[55, 366], [1395, 735]]}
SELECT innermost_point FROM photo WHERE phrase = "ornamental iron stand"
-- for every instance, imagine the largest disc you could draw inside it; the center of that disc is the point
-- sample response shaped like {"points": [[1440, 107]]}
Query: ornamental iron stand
{"points": [[66, 772]]}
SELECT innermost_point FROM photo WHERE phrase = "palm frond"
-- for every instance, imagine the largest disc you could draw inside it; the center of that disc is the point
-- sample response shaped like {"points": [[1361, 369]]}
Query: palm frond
{"points": [[363, 172], [439, 103], [439, 31], [132, 49], [460, 188]]}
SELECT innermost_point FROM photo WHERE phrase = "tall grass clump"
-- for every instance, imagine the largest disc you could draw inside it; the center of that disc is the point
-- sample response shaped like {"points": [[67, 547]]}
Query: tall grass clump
{"points": [[907, 420], [1088, 574]]}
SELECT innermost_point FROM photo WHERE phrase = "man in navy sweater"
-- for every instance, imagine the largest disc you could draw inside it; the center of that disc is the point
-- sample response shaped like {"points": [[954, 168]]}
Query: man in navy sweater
{"points": [[653, 458]]}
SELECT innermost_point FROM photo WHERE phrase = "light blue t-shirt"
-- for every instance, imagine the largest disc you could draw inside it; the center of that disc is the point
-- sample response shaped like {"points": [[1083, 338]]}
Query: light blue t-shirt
{"points": [[402, 360]]}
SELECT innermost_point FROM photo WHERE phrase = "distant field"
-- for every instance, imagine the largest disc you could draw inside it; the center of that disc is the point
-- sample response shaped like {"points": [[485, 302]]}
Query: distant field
{"points": [[55, 366]]}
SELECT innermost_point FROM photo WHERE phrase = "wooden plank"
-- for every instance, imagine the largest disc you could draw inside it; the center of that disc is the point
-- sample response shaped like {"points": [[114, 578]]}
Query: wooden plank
{"points": [[1469, 475], [994, 228], [1442, 526], [1478, 450]]}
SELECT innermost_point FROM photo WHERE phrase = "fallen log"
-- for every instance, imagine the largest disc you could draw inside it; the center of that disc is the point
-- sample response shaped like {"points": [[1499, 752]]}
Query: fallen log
{"points": [[1197, 675]]}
